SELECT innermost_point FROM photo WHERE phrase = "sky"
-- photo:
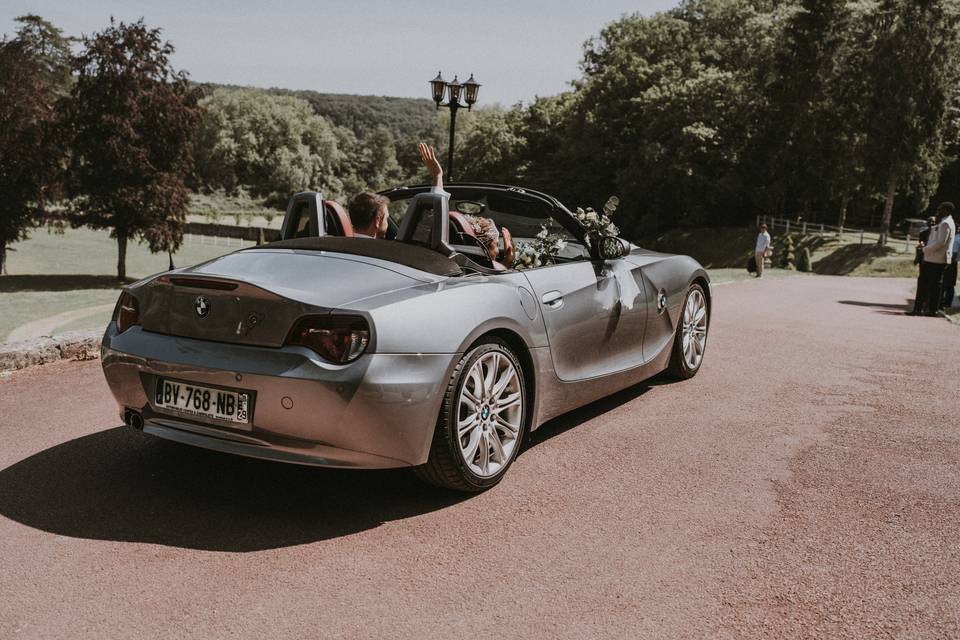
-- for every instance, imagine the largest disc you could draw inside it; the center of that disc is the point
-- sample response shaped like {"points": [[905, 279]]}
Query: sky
{"points": [[517, 50]]}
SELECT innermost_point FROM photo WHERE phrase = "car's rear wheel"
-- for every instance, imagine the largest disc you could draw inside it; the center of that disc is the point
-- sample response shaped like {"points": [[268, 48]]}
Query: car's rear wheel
{"points": [[481, 423], [691, 340]]}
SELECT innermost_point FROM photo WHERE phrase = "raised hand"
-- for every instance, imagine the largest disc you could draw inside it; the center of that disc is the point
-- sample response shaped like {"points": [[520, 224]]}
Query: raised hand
{"points": [[429, 157], [509, 249]]}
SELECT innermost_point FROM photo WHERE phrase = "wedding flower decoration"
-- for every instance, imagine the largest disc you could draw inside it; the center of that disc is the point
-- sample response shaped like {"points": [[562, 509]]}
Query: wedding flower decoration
{"points": [[542, 251], [599, 224], [547, 246]]}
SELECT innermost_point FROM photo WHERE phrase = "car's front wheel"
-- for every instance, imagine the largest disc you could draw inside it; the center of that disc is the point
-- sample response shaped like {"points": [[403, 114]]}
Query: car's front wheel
{"points": [[481, 423], [691, 339]]}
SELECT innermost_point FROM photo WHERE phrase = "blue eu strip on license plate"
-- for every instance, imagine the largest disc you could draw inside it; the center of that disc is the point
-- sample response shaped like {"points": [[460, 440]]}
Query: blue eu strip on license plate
{"points": [[205, 402]]}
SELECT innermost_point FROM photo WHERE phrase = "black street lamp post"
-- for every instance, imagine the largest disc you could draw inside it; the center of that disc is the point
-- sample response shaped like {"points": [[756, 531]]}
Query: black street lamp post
{"points": [[454, 89]]}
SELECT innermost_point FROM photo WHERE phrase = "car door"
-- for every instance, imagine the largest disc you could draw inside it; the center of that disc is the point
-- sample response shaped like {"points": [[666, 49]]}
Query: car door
{"points": [[595, 314]]}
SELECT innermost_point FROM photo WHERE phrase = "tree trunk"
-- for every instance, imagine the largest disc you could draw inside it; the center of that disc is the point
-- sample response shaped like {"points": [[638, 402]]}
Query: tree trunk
{"points": [[842, 218], [891, 193], [3, 258], [121, 255]]}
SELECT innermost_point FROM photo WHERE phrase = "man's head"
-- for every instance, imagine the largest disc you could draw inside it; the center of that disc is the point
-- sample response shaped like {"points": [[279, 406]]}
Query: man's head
{"points": [[932, 220], [369, 213], [763, 227], [945, 210]]}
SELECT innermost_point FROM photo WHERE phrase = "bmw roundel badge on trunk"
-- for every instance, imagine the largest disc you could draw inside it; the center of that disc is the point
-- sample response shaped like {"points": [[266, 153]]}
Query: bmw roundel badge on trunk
{"points": [[202, 306]]}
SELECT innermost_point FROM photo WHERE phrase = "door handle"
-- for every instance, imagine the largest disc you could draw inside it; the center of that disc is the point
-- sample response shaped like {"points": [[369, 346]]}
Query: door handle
{"points": [[553, 299]]}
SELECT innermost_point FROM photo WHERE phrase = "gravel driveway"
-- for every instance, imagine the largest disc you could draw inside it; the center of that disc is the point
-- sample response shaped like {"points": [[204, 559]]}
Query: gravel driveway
{"points": [[804, 484]]}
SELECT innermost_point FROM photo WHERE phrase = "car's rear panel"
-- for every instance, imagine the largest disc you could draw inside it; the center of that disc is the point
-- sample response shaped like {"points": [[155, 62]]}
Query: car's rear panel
{"points": [[223, 326]]}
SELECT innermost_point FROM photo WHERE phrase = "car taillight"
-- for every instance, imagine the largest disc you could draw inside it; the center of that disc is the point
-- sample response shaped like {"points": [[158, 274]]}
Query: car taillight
{"points": [[338, 339], [127, 312]]}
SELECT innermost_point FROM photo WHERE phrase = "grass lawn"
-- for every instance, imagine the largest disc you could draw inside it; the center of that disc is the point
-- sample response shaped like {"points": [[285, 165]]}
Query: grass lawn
{"points": [[729, 247], [54, 273]]}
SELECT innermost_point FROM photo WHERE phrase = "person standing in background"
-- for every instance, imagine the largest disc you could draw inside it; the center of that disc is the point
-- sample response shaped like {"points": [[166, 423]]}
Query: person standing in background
{"points": [[950, 276], [924, 236], [937, 254], [763, 246], [922, 271]]}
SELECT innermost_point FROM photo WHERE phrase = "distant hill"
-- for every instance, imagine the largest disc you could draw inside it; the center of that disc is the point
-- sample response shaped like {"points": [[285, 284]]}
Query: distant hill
{"points": [[405, 117]]}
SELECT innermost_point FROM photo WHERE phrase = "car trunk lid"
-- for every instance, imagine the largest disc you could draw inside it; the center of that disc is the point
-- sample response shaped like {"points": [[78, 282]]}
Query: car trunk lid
{"points": [[255, 298]]}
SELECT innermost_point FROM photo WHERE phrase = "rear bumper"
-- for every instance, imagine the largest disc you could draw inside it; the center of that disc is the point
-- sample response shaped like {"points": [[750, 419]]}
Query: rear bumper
{"points": [[377, 412]]}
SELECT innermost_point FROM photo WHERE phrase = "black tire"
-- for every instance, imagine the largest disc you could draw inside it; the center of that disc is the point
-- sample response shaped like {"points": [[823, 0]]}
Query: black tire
{"points": [[678, 367], [445, 466]]}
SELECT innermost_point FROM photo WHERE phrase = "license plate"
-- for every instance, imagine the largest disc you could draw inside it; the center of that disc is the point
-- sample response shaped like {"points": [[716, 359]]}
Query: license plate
{"points": [[204, 402]]}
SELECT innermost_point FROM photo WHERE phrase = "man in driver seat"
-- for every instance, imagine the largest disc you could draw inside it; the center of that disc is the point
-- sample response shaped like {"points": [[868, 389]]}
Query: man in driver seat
{"points": [[369, 214]]}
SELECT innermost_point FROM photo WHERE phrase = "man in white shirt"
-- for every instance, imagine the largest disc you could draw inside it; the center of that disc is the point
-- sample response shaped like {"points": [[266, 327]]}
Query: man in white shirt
{"points": [[950, 276], [763, 245], [937, 254]]}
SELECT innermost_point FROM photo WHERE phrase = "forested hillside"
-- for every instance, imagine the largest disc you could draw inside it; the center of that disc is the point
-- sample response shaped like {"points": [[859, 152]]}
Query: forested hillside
{"points": [[403, 116]]}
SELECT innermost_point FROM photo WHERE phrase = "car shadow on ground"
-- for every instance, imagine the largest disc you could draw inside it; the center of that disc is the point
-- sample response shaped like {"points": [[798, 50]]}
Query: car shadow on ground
{"points": [[120, 484]]}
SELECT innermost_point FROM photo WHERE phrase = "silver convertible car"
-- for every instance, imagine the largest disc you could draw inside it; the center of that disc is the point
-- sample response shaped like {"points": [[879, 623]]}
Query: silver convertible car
{"points": [[416, 351]]}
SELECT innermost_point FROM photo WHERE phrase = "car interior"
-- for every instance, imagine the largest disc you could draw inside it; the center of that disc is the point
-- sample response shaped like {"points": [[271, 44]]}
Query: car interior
{"points": [[412, 222]]}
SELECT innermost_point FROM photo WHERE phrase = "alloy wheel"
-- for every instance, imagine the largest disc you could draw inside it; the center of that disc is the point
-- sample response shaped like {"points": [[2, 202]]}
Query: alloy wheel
{"points": [[693, 333], [489, 414]]}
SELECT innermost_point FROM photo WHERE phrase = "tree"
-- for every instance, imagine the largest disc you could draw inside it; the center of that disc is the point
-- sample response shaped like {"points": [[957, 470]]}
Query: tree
{"points": [[131, 119], [907, 53], [667, 110], [271, 145], [49, 47], [490, 145], [30, 153]]}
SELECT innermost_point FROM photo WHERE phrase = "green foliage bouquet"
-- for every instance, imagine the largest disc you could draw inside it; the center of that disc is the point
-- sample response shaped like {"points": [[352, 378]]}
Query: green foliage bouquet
{"points": [[598, 224], [547, 246], [542, 251]]}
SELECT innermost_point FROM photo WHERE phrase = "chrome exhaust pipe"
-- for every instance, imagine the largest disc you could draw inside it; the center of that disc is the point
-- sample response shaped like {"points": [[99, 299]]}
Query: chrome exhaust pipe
{"points": [[133, 419]]}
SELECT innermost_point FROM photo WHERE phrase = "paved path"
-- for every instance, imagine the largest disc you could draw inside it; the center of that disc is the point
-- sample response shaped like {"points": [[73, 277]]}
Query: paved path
{"points": [[805, 484], [46, 326]]}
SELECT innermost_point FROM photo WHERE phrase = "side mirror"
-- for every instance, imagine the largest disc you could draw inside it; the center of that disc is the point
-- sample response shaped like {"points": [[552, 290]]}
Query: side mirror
{"points": [[612, 247]]}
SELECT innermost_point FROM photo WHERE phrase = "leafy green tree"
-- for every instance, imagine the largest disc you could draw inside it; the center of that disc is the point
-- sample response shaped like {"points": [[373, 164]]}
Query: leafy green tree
{"points": [[131, 119], [272, 145], [49, 47], [906, 51], [490, 145], [667, 110], [30, 152]]}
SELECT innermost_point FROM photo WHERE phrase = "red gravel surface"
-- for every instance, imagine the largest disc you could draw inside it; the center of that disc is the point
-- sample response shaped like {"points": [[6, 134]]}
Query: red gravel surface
{"points": [[804, 484]]}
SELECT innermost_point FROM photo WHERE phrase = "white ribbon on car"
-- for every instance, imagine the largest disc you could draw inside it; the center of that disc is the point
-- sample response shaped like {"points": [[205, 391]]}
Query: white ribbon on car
{"points": [[630, 292]]}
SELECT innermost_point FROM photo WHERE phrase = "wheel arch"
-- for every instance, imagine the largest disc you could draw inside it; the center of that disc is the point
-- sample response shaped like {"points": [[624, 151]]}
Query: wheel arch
{"points": [[704, 282]]}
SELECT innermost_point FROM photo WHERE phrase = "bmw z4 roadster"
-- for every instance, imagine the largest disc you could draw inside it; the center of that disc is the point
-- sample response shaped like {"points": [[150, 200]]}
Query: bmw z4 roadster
{"points": [[416, 351]]}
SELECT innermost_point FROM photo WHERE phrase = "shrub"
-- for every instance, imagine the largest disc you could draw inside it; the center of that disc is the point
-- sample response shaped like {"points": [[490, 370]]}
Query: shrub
{"points": [[787, 258], [804, 262]]}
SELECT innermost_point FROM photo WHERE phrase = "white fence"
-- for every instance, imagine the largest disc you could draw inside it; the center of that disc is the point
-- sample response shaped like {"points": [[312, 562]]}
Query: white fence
{"points": [[818, 228], [216, 241]]}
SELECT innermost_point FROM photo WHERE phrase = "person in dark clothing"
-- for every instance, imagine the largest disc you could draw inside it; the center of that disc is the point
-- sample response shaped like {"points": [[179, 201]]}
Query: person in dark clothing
{"points": [[924, 236], [937, 254], [922, 274]]}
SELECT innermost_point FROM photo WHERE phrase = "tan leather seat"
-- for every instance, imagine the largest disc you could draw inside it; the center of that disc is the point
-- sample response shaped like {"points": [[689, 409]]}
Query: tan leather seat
{"points": [[463, 225], [337, 219]]}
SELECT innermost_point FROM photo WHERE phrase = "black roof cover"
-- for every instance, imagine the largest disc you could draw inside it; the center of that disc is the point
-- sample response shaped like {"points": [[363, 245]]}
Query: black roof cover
{"points": [[409, 255]]}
